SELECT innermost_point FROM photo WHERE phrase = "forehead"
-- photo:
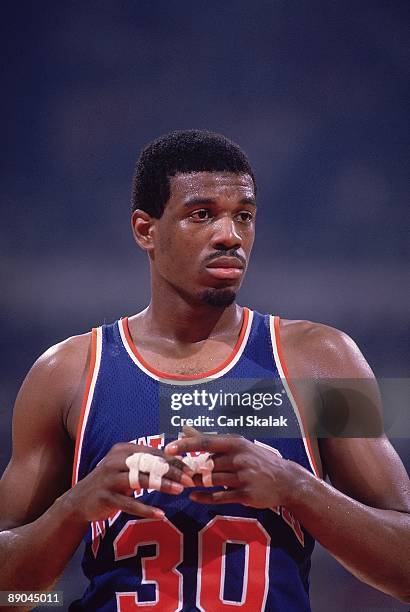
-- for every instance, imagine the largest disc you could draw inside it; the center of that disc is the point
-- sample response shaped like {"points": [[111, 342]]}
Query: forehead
{"points": [[211, 185]]}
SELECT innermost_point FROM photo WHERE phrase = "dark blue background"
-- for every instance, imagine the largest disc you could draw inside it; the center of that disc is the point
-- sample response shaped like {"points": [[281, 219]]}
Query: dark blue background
{"points": [[315, 92]]}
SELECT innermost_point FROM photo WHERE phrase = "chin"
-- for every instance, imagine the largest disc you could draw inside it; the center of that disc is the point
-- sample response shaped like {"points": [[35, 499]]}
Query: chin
{"points": [[218, 297]]}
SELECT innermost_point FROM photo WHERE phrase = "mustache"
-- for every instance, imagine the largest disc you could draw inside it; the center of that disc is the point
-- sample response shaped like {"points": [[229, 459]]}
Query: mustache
{"points": [[227, 253]]}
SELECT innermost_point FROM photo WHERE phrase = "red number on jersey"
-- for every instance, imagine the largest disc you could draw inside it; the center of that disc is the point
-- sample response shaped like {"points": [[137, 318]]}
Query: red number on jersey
{"points": [[211, 563], [159, 570]]}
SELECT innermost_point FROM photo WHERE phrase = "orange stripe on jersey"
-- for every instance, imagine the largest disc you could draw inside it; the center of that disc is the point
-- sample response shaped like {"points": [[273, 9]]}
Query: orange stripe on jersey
{"points": [[295, 396], [78, 439], [167, 375]]}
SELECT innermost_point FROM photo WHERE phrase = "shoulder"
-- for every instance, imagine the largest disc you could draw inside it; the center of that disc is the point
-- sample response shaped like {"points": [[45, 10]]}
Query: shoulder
{"points": [[40, 467], [343, 406], [321, 350], [58, 373], [65, 358]]}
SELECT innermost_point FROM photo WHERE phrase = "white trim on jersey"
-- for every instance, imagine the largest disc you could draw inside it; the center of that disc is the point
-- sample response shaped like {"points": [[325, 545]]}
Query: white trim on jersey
{"points": [[289, 393], [90, 396], [177, 382]]}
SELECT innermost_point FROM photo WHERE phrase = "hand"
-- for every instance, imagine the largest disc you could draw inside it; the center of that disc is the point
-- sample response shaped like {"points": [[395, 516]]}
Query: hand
{"points": [[107, 488], [253, 475]]}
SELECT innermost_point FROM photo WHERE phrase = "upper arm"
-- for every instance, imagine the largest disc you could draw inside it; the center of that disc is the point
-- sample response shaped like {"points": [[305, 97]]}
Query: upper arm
{"points": [[40, 468], [359, 459], [354, 451], [368, 470]]}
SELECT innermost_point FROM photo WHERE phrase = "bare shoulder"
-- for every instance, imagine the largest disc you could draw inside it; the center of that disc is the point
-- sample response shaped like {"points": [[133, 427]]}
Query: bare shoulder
{"points": [[65, 357], [40, 467], [55, 381], [376, 476], [319, 350]]}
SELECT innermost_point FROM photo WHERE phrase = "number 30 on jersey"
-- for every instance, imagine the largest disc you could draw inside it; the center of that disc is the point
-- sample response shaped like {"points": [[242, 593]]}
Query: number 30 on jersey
{"points": [[161, 571]]}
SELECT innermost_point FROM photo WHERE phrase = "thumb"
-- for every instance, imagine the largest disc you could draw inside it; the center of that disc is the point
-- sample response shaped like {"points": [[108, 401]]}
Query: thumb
{"points": [[190, 431]]}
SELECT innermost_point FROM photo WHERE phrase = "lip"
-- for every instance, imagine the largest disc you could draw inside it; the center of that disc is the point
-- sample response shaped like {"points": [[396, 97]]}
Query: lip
{"points": [[227, 268], [226, 262]]}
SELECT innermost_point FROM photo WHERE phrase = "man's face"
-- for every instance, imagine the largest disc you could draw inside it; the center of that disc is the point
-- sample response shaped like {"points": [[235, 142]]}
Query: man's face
{"points": [[204, 238]]}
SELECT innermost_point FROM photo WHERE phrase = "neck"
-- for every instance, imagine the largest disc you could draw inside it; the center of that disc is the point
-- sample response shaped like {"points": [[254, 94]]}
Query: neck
{"points": [[186, 322]]}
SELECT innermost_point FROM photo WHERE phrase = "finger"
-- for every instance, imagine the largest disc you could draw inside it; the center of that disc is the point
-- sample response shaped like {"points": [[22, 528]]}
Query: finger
{"points": [[128, 448], [121, 484], [131, 506], [223, 462], [186, 480], [173, 482], [165, 486], [156, 467], [218, 497], [118, 460], [190, 431], [198, 480], [210, 443], [176, 473], [185, 473], [121, 451], [148, 463], [225, 479]]}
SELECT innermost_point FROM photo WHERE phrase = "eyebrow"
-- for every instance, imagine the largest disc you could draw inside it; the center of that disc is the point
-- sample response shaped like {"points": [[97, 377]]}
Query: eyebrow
{"points": [[197, 201]]}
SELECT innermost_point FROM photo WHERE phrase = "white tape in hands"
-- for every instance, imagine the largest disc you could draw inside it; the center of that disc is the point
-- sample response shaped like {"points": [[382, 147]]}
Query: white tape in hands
{"points": [[201, 464], [156, 467]]}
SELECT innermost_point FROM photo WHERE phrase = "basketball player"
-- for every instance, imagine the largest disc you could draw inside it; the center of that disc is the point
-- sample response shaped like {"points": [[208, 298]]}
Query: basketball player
{"points": [[90, 405]]}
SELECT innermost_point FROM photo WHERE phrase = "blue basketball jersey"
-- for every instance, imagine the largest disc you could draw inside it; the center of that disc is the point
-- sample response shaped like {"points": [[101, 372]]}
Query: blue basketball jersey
{"points": [[199, 557]]}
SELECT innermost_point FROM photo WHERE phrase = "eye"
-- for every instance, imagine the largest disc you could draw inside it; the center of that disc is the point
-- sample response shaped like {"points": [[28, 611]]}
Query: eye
{"points": [[245, 216], [200, 215]]}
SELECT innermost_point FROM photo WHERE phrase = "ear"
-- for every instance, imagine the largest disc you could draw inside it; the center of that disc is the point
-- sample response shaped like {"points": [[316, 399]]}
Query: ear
{"points": [[143, 229]]}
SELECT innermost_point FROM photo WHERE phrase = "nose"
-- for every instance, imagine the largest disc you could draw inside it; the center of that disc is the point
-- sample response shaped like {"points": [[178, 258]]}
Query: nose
{"points": [[226, 235]]}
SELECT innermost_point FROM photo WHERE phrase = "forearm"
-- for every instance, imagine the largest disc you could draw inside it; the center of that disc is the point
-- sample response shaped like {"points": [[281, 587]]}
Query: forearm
{"points": [[33, 556], [371, 543]]}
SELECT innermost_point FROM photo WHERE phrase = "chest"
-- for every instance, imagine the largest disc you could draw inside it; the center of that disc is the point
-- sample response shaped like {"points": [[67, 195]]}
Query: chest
{"points": [[166, 359], [196, 360]]}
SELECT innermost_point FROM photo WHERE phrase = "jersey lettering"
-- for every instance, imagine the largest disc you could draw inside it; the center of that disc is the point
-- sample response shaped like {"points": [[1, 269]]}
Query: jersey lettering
{"points": [[293, 524], [97, 534]]}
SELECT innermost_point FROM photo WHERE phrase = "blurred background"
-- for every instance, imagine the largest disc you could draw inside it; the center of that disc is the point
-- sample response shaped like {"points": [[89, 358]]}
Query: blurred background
{"points": [[315, 92]]}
